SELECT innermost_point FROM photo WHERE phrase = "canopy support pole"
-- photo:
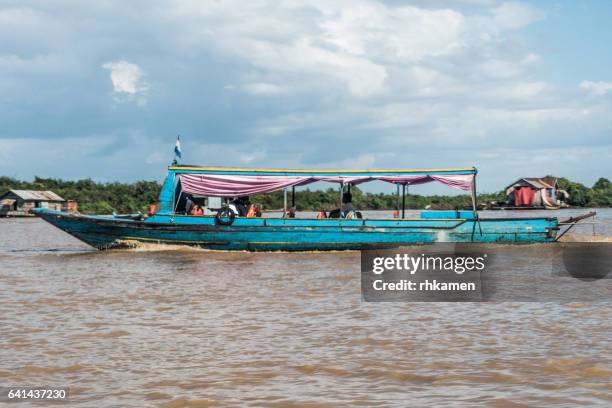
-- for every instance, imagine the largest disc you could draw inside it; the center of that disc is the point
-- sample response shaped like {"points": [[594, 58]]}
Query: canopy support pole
{"points": [[475, 209], [293, 197], [341, 191], [284, 202], [397, 201], [474, 203], [178, 201], [403, 200]]}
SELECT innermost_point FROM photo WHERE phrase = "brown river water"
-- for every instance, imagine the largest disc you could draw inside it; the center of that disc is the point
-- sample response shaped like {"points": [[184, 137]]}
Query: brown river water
{"points": [[179, 327]]}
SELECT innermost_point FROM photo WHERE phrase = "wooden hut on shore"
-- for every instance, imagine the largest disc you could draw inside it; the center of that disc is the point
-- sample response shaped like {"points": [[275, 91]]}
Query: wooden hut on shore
{"points": [[536, 193], [19, 203]]}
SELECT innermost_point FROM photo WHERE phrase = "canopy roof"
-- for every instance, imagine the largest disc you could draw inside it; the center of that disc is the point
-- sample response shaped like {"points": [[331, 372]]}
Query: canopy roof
{"points": [[231, 181]]}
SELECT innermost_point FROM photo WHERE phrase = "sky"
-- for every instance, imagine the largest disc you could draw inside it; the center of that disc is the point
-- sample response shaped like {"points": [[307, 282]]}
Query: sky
{"points": [[102, 89]]}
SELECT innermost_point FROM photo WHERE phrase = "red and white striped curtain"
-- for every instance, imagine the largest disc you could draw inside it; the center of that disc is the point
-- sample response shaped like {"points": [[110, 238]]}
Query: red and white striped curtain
{"points": [[228, 185]]}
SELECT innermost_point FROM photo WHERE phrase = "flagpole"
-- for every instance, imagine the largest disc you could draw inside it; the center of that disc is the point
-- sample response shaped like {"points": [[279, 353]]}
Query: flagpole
{"points": [[177, 149]]}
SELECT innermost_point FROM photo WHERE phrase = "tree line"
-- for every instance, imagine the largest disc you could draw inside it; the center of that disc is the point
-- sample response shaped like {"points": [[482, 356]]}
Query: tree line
{"points": [[91, 196], [104, 198]]}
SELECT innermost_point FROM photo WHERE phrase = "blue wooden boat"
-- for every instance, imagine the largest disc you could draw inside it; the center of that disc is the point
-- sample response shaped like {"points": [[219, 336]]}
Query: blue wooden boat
{"points": [[225, 231]]}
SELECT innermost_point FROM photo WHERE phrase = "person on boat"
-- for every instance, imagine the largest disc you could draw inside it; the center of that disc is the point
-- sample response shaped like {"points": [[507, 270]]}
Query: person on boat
{"points": [[189, 204], [253, 211], [241, 204], [197, 210], [290, 212], [336, 213], [347, 204]]}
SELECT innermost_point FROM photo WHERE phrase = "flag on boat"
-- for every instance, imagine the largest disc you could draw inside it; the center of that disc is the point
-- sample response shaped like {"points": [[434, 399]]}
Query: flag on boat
{"points": [[177, 147]]}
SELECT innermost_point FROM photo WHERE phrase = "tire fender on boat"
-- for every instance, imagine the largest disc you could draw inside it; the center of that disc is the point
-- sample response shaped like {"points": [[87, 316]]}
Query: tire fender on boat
{"points": [[225, 216]]}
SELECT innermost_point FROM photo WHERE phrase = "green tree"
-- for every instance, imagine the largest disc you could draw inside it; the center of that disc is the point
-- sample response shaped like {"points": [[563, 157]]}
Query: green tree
{"points": [[578, 192], [602, 184], [94, 197]]}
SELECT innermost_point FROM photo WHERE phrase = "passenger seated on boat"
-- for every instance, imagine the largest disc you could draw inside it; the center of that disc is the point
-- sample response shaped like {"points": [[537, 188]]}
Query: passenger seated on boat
{"points": [[335, 213], [353, 214], [254, 211], [241, 204], [290, 213], [188, 203], [197, 210]]}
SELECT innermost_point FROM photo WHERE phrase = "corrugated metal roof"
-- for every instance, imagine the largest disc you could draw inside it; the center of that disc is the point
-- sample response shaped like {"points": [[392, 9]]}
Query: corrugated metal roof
{"points": [[536, 182], [37, 195]]}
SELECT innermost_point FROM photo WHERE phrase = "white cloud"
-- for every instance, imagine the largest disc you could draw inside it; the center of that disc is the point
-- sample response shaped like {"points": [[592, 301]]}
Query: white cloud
{"points": [[531, 58], [513, 15], [499, 69], [597, 88], [362, 77], [263, 88], [352, 44], [248, 158], [389, 81], [42, 151], [516, 90], [405, 33], [126, 78], [362, 161]]}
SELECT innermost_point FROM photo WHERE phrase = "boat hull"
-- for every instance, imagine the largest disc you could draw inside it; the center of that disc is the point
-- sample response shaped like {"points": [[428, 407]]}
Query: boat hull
{"points": [[277, 234]]}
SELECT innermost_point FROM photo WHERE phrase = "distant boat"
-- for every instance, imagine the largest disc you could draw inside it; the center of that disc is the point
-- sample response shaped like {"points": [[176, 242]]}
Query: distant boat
{"points": [[228, 230]]}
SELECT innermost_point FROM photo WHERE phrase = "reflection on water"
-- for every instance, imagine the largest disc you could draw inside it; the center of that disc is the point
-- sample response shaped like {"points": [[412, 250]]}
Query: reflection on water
{"points": [[193, 328]]}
